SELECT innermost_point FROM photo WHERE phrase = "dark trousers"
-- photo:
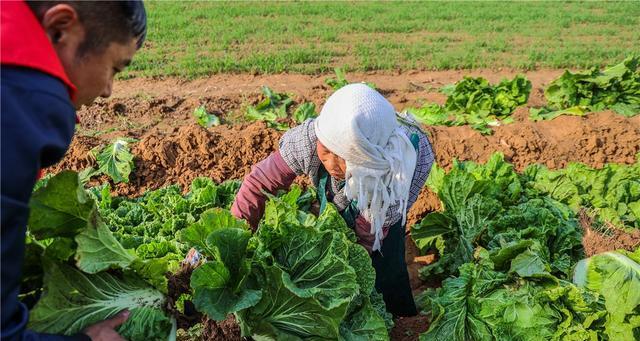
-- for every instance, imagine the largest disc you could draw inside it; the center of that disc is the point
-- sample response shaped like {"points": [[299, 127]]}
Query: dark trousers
{"points": [[392, 277]]}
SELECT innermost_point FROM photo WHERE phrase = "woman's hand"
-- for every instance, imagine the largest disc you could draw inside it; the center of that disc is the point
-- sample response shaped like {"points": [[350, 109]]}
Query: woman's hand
{"points": [[106, 330]]}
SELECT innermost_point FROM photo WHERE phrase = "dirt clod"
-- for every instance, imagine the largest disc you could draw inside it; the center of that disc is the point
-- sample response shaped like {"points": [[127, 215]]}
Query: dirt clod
{"points": [[598, 239], [409, 328], [227, 330], [178, 284]]}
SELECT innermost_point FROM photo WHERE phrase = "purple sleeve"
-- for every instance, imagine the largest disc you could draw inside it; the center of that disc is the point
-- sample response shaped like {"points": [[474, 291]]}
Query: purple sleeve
{"points": [[269, 175]]}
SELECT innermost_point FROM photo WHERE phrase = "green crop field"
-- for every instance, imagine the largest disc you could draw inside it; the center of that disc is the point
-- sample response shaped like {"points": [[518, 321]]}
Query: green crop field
{"points": [[527, 226], [193, 39]]}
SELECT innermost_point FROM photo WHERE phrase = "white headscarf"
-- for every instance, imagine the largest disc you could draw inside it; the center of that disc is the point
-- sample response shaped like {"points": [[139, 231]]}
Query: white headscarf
{"points": [[359, 125]]}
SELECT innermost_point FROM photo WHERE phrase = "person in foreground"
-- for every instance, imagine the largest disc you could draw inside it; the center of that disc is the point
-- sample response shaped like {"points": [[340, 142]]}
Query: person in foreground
{"points": [[56, 56], [366, 159]]}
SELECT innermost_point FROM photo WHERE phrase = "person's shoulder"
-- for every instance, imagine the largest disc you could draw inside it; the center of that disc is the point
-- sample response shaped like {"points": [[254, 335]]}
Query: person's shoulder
{"points": [[298, 148], [303, 133], [415, 129], [308, 127], [31, 81], [40, 103]]}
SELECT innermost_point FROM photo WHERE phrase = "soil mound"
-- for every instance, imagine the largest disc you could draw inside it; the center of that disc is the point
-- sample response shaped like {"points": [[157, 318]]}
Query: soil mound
{"points": [[595, 139]]}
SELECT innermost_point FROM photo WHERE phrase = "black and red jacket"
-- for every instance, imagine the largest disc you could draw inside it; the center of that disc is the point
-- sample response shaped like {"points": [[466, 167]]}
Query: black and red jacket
{"points": [[38, 121]]}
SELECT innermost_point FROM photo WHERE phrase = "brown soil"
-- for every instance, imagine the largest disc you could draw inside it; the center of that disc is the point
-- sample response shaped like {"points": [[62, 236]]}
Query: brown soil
{"points": [[184, 153], [179, 154], [139, 105], [402, 88], [227, 330], [178, 285], [606, 238], [225, 152], [173, 149], [595, 140], [78, 156], [409, 328]]}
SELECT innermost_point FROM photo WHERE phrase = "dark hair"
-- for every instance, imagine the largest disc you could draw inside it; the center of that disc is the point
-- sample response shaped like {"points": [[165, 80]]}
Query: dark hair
{"points": [[104, 21]]}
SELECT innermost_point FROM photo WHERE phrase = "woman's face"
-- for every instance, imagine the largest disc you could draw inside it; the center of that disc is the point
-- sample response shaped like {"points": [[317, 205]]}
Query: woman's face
{"points": [[335, 165]]}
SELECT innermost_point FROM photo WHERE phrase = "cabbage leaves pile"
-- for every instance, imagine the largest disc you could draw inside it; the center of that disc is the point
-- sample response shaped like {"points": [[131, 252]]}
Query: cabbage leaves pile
{"points": [[615, 277], [507, 252], [475, 102], [88, 275], [149, 224], [612, 192], [298, 277], [616, 88]]}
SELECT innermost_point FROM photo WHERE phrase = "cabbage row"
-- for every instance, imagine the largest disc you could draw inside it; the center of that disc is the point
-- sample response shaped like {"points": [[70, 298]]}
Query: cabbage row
{"points": [[509, 245], [475, 102], [149, 224], [512, 260], [93, 255], [297, 277], [612, 193], [616, 88], [86, 274]]}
